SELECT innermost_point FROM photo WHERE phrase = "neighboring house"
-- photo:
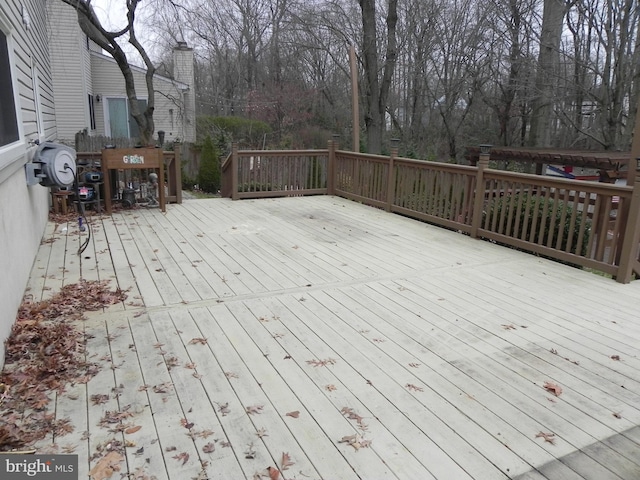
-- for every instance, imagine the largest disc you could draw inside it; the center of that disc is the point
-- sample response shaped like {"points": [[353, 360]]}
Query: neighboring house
{"points": [[89, 91], [26, 116]]}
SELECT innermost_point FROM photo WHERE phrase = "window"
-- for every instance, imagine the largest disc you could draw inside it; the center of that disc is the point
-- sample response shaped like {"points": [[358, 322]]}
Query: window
{"points": [[121, 123], [92, 112], [8, 120]]}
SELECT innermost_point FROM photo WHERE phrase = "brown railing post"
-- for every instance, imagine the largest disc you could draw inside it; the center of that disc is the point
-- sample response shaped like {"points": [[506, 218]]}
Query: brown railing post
{"points": [[234, 171], [629, 255], [177, 175], [331, 167], [478, 201], [391, 184]]}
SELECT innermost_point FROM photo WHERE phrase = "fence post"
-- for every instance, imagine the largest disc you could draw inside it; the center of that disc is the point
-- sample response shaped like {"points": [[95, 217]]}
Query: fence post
{"points": [[478, 200], [234, 171], [177, 174], [391, 184], [331, 167], [629, 255]]}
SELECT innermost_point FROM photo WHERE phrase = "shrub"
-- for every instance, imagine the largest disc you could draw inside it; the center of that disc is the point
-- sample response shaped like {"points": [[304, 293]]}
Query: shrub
{"points": [[209, 172], [528, 212]]}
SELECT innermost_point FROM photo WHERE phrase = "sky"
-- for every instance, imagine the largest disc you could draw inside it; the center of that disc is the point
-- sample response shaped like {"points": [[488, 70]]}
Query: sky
{"points": [[112, 13]]}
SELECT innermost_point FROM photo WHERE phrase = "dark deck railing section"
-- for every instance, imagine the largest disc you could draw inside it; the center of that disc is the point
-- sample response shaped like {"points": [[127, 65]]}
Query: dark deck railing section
{"points": [[594, 225]]}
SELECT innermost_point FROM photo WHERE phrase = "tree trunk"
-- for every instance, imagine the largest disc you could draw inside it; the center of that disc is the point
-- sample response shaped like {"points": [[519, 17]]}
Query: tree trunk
{"points": [[548, 59], [377, 92]]}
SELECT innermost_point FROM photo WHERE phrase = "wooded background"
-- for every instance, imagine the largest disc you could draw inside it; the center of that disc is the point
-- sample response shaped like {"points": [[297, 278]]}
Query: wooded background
{"points": [[437, 74]]}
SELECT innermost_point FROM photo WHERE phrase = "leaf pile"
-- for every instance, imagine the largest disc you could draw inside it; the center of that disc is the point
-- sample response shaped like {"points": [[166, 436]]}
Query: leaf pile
{"points": [[45, 352]]}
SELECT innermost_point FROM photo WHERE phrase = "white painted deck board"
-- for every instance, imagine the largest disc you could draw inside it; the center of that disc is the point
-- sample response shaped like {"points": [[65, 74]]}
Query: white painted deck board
{"points": [[274, 283]]}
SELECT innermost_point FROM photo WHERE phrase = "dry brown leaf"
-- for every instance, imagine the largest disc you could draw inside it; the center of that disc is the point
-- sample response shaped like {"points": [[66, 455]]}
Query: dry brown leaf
{"points": [[508, 327], [321, 363], [615, 357], [107, 465], [183, 456], [330, 388], [131, 430], [294, 414], [548, 437], [553, 388], [254, 409], [286, 461], [355, 441], [262, 433], [274, 473], [414, 387], [198, 340], [223, 408], [209, 447]]}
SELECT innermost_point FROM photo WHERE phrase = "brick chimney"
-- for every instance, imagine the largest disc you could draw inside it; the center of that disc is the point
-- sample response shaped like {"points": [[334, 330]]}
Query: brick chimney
{"points": [[183, 71]]}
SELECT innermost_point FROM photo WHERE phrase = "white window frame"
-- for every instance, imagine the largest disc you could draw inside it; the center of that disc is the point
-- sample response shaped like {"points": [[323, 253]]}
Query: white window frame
{"points": [[37, 98], [105, 111], [12, 155]]}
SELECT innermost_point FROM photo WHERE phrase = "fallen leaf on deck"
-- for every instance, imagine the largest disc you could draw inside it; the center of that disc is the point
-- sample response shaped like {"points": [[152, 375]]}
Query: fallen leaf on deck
{"points": [[414, 365], [616, 414], [262, 433], [198, 340], [99, 398], [508, 327], [330, 388], [294, 414], [162, 388], [274, 473], [553, 388], [170, 449], [184, 457], [209, 448], [254, 409], [548, 437], [186, 423], [615, 357], [107, 465], [286, 461], [223, 408], [321, 363], [250, 453], [355, 441], [131, 430], [414, 387]]}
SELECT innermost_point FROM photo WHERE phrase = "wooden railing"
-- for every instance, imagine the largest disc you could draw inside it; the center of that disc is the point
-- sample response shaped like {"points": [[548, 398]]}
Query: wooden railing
{"points": [[274, 173], [588, 224]]}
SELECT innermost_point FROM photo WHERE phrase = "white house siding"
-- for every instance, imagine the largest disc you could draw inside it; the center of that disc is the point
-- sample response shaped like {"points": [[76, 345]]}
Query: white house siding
{"points": [[23, 209], [71, 71], [169, 110]]}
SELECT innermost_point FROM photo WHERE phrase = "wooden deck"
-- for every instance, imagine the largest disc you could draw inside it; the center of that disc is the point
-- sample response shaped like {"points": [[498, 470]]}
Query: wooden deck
{"points": [[432, 346]]}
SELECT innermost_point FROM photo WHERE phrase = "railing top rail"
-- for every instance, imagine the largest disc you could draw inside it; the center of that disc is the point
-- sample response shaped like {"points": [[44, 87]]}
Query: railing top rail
{"points": [[436, 165], [366, 156], [226, 162], [581, 185], [281, 153]]}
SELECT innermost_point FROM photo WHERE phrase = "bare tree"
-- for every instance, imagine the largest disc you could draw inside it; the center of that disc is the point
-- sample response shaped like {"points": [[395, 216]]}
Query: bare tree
{"points": [[108, 41], [547, 74], [377, 89]]}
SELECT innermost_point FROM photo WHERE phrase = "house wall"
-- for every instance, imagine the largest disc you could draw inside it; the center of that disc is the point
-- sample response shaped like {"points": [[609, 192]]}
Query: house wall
{"points": [[23, 209], [71, 71], [169, 114]]}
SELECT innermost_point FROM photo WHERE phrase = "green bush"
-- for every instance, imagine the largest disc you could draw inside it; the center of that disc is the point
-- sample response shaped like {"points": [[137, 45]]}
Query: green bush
{"points": [[245, 131], [209, 171], [528, 212]]}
